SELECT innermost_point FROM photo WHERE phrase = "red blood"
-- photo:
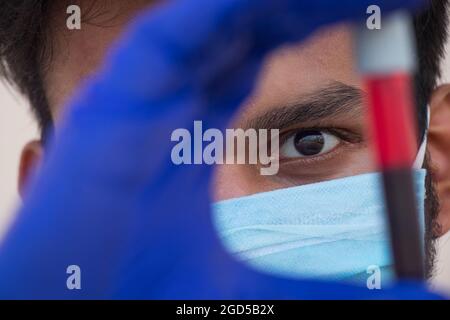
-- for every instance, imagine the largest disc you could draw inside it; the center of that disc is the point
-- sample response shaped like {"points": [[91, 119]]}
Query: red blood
{"points": [[391, 119]]}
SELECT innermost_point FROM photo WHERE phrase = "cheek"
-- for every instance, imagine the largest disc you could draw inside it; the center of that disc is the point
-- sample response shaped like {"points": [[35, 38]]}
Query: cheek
{"points": [[227, 183], [234, 181], [344, 164]]}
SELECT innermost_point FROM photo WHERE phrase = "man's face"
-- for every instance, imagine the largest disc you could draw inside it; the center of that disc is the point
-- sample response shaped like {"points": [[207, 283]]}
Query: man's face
{"points": [[312, 89], [313, 86], [312, 94]]}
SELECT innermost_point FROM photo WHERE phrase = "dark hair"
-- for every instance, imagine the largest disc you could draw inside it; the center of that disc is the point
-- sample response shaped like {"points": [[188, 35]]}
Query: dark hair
{"points": [[25, 49]]}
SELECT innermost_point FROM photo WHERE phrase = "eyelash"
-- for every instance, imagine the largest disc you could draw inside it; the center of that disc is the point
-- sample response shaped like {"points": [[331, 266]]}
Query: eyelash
{"points": [[342, 134]]}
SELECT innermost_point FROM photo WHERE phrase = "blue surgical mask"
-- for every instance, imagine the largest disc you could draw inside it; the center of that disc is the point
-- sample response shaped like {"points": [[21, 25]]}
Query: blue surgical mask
{"points": [[332, 230]]}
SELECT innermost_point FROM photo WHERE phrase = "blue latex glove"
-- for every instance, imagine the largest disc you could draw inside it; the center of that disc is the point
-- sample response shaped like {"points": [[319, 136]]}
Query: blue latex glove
{"points": [[108, 197]]}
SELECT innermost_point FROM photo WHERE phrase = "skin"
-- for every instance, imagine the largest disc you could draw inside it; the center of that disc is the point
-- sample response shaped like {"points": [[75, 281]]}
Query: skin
{"points": [[290, 75]]}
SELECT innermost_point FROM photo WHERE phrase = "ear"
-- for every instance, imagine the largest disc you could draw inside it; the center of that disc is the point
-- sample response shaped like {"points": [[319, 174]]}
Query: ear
{"points": [[439, 148], [29, 160]]}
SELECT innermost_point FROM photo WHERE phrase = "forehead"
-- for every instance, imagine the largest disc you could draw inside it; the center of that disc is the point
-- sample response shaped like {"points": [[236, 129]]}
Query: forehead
{"points": [[289, 72], [78, 53], [295, 71]]}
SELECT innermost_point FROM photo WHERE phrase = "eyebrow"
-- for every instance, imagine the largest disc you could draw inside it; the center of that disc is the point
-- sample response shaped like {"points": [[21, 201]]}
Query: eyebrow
{"points": [[329, 102]]}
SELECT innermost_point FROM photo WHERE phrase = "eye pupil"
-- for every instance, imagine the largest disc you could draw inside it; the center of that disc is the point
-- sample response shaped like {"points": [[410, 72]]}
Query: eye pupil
{"points": [[309, 142]]}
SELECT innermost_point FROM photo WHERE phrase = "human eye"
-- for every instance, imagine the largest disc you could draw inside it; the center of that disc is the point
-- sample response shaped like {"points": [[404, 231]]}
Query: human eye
{"points": [[312, 154], [306, 143], [314, 144]]}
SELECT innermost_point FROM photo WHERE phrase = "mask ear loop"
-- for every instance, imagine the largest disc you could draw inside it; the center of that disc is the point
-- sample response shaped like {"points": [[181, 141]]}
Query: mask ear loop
{"points": [[420, 158]]}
